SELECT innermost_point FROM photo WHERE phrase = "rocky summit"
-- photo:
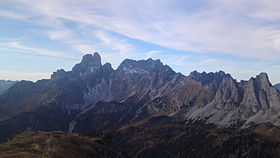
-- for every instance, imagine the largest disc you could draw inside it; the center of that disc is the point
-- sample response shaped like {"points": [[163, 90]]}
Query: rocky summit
{"points": [[95, 97]]}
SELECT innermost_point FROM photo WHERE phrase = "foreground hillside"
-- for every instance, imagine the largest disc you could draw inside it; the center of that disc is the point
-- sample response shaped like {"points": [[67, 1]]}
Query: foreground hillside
{"points": [[158, 137], [55, 145], [166, 137]]}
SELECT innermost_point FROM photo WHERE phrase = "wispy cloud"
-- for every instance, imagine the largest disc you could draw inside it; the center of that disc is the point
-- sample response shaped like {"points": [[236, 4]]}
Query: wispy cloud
{"points": [[152, 53], [117, 44], [14, 15], [61, 34], [40, 51], [207, 62], [84, 48], [226, 27]]}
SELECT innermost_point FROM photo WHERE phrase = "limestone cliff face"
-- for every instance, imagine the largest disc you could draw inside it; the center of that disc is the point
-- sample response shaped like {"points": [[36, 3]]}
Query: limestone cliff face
{"points": [[240, 104]]}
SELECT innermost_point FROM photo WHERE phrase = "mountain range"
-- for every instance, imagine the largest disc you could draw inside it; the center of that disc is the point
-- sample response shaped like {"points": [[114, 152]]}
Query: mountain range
{"points": [[95, 97]]}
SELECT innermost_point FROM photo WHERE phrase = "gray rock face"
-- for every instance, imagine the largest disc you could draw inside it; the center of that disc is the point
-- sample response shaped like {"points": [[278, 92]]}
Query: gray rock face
{"points": [[240, 104]]}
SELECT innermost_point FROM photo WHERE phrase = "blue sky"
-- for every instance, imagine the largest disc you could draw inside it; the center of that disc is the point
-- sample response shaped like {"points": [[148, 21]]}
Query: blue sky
{"points": [[240, 37]]}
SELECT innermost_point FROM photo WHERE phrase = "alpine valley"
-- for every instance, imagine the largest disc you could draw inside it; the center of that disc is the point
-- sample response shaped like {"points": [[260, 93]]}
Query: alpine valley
{"points": [[141, 109]]}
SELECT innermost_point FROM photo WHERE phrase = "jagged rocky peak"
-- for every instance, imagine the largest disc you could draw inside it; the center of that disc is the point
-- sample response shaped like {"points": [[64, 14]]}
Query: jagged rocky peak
{"points": [[263, 79], [107, 66], [94, 59], [58, 74], [228, 95], [262, 75], [129, 66], [206, 78], [89, 64]]}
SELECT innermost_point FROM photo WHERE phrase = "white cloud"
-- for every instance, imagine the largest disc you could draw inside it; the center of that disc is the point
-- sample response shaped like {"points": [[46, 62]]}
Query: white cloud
{"points": [[218, 26], [117, 44], [19, 75], [83, 38]]}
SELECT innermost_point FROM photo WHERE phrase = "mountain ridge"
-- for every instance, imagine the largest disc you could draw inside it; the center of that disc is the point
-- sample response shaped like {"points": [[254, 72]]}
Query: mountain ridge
{"points": [[95, 97]]}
